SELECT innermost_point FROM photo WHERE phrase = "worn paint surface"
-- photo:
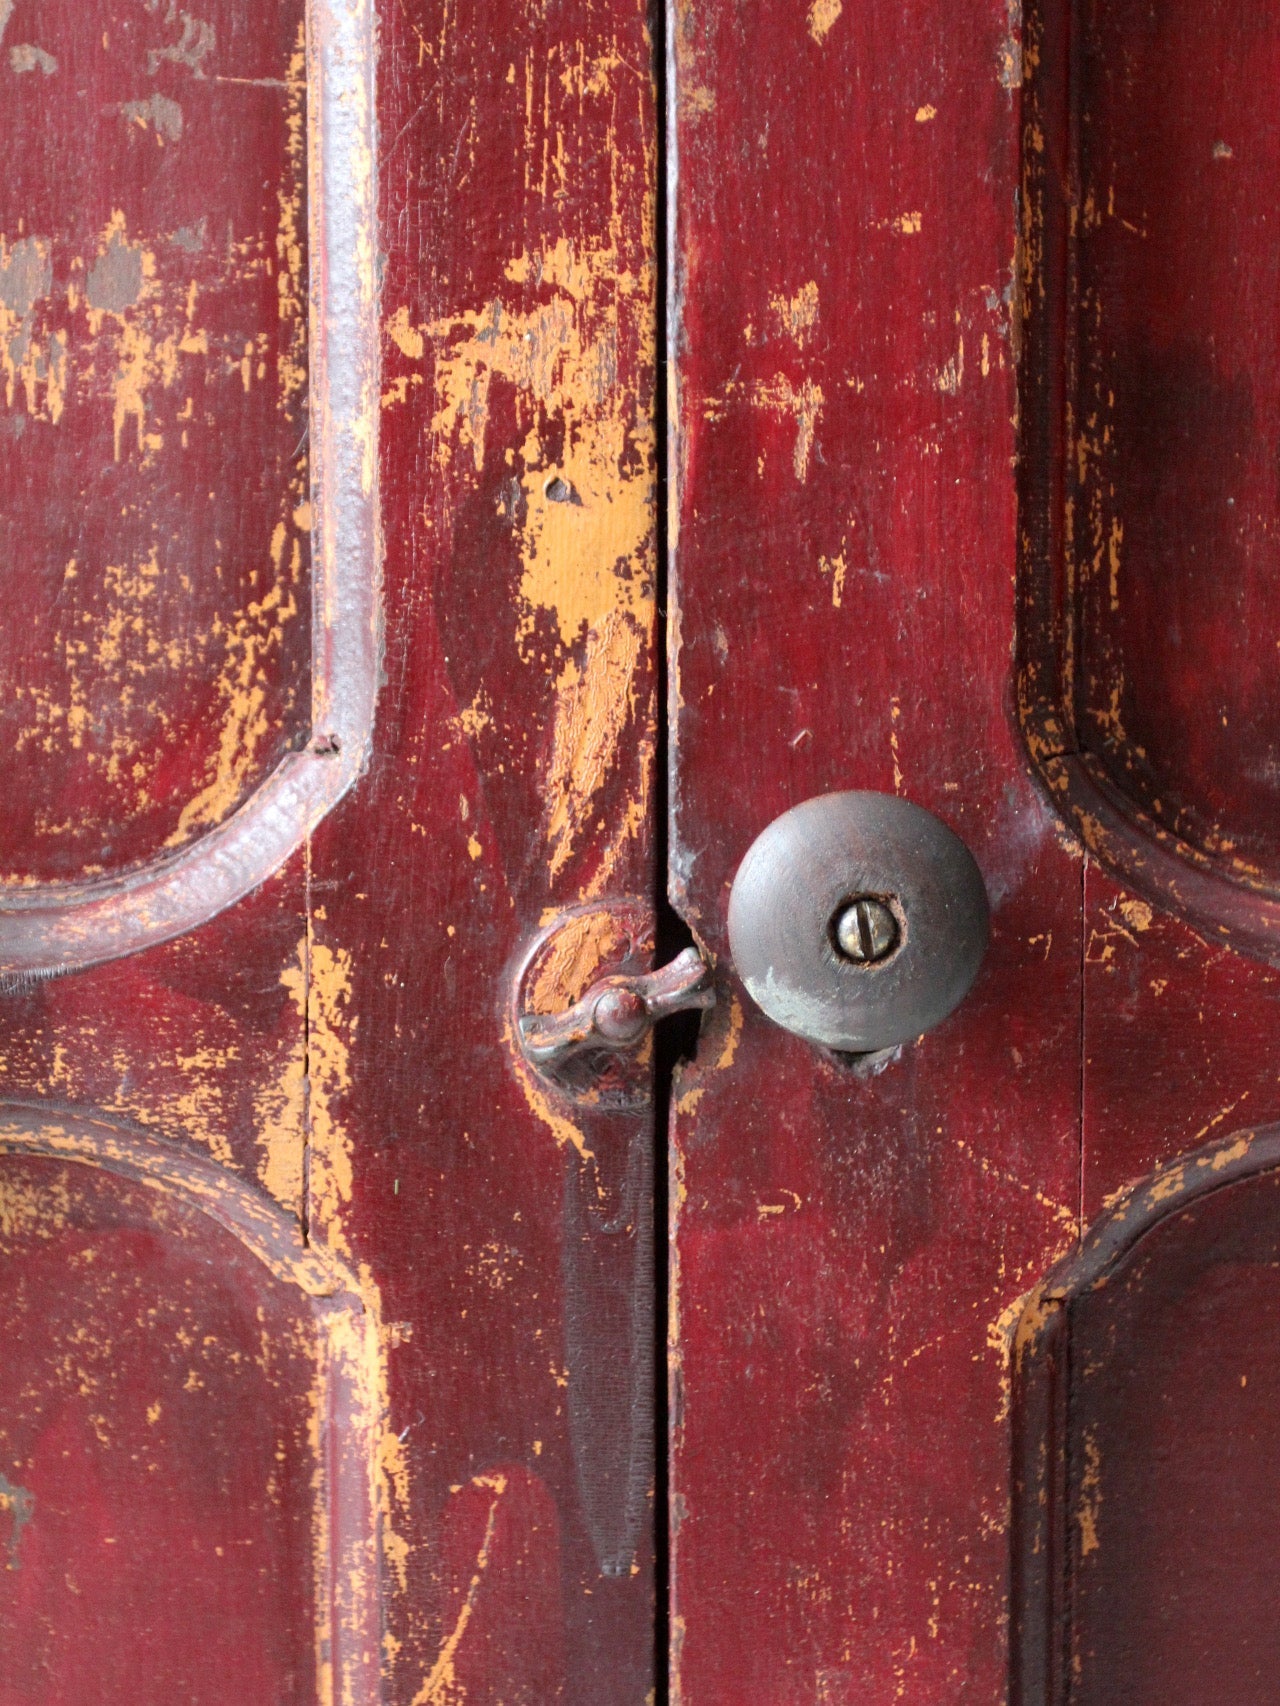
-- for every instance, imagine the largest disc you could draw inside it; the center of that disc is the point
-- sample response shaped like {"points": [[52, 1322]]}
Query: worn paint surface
{"points": [[1146, 631], [848, 1251], [512, 779], [339, 1042], [1175, 494], [155, 1411], [851, 1255], [1148, 1359], [153, 322], [156, 662], [154, 523], [189, 1404], [852, 291]]}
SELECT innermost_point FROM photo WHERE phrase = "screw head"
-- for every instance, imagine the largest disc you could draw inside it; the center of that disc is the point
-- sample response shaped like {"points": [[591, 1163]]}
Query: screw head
{"points": [[865, 931], [621, 1016]]}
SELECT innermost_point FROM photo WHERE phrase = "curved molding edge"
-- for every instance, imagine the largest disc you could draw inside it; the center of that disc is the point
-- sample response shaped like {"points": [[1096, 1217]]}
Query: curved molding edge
{"points": [[1225, 909], [349, 1389], [1229, 905], [1040, 1519], [50, 928]]}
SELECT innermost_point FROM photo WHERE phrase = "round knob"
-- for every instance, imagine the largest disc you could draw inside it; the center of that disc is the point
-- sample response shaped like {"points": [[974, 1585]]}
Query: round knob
{"points": [[858, 921]]}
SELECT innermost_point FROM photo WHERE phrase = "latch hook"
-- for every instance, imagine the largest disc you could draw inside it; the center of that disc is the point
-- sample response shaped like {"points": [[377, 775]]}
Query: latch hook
{"points": [[618, 1012]]}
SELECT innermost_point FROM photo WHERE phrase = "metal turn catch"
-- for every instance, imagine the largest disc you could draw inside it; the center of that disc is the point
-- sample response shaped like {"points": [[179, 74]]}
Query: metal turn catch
{"points": [[585, 1000], [617, 1012]]}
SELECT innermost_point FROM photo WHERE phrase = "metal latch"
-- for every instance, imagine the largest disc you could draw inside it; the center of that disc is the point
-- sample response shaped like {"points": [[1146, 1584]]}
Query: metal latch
{"points": [[618, 1012], [585, 1001]]}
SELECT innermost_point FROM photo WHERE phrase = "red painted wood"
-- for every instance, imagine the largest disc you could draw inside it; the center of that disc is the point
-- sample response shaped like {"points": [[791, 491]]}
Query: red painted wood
{"points": [[511, 776], [199, 1041], [1176, 406], [1177, 1041], [156, 661], [340, 1040], [153, 530], [1173, 252], [155, 1464], [849, 1251], [855, 560], [1172, 1481], [1145, 1365], [1148, 376]]}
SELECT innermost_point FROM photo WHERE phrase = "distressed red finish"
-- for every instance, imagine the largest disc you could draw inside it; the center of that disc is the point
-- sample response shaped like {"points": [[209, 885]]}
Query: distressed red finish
{"points": [[1149, 386], [1145, 1366], [422, 1422], [1172, 1489], [511, 776], [846, 499], [153, 339], [163, 1477], [1177, 407], [847, 1248], [186, 1425], [340, 1040]]}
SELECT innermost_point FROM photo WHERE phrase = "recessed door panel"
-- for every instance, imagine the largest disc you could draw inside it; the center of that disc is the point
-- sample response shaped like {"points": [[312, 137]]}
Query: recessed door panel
{"points": [[153, 369], [187, 404], [1151, 404], [1175, 419], [1145, 1536], [179, 1518]]}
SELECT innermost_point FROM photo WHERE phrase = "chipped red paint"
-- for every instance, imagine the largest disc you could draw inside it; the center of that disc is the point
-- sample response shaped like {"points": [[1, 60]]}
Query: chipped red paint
{"points": [[511, 779], [153, 325], [1146, 1363], [1148, 395], [187, 700], [847, 1247], [850, 1252], [155, 1405], [328, 1040]]}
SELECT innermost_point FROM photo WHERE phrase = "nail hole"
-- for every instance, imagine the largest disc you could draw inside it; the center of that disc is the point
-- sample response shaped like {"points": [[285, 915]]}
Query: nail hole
{"points": [[560, 491]]}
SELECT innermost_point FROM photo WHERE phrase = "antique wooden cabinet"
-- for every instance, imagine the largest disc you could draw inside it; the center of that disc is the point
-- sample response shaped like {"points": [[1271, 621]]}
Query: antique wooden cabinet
{"points": [[466, 471]]}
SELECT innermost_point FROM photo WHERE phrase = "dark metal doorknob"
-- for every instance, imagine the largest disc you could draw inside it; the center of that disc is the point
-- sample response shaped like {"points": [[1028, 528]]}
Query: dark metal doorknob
{"points": [[858, 921]]}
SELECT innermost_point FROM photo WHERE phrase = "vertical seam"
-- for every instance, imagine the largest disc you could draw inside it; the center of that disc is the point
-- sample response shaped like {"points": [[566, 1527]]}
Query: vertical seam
{"points": [[306, 1045], [1083, 1042]]}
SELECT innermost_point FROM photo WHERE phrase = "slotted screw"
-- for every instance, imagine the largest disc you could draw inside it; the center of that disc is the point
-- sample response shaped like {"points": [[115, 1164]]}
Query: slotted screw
{"points": [[866, 930]]}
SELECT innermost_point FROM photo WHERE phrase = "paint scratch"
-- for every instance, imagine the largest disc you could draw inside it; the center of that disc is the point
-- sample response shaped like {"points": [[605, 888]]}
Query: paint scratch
{"points": [[441, 1686], [20, 1506], [822, 17]]}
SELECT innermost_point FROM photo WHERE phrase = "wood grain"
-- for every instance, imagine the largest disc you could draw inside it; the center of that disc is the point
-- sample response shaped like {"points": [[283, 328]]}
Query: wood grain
{"points": [[339, 1039], [849, 1251], [1147, 385], [191, 686], [1145, 1362], [188, 1414], [511, 778]]}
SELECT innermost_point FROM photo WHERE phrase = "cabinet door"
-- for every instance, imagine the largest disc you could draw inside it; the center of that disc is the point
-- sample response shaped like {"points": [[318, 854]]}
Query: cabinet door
{"points": [[975, 503], [340, 802], [327, 472]]}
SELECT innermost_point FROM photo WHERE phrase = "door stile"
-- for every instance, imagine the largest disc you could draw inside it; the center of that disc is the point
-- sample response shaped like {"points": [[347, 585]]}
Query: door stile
{"points": [[499, 855], [346, 1040], [850, 1247]]}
